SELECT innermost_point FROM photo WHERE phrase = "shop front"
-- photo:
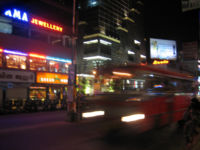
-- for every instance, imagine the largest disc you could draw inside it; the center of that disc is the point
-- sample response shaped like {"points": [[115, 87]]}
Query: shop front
{"points": [[50, 90], [14, 87]]}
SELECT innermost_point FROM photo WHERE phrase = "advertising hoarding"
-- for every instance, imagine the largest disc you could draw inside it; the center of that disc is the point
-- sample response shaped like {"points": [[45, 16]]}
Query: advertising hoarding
{"points": [[51, 78], [163, 49], [17, 76]]}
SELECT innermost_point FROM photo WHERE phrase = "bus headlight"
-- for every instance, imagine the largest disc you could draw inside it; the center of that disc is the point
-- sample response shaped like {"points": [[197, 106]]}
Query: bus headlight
{"points": [[131, 118], [93, 114]]}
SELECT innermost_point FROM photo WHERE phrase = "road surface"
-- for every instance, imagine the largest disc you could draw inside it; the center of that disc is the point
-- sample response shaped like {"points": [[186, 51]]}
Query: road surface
{"points": [[50, 131]]}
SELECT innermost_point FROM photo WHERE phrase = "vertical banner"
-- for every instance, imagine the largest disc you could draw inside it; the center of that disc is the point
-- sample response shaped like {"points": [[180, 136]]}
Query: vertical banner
{"points": [[71, 84], [72, 74]]}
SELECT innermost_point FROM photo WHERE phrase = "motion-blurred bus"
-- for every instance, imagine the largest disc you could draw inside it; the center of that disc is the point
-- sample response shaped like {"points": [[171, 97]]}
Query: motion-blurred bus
{"points": [[138, 96]]}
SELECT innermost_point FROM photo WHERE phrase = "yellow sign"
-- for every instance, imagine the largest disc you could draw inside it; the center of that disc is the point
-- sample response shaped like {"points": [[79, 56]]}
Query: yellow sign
{"points": [[156, 62], [51, 78]]}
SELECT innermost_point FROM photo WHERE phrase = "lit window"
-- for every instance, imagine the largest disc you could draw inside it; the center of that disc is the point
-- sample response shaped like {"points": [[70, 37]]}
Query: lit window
{"points": [[16, 62], [38, 64], [37, 93], [5, 28], [92, 3], [55, 66]]}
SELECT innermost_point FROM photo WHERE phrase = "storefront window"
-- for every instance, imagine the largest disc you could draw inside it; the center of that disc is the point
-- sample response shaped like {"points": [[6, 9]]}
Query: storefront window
{"points": [[55, 93], [38, 64], [58, 67], [37, 93], [15, 61]]}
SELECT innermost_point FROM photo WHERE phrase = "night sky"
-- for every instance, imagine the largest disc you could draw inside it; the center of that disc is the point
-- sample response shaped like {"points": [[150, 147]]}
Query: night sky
{"points": [[165, 19]]}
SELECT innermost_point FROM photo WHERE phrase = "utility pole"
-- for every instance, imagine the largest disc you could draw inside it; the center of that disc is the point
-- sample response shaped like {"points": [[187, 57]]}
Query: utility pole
{"points": [[71, 90]]}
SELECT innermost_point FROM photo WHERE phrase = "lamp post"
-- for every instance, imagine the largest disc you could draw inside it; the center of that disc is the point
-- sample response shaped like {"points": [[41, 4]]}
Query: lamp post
{"points": [[71, 90]]}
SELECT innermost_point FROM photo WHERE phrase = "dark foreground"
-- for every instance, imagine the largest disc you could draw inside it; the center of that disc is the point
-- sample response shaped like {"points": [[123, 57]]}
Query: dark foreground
{"points": [[50, 131]]}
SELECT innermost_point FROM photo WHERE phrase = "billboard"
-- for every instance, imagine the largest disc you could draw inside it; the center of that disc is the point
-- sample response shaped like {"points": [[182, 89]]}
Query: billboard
{"points": [[51, 78], [17, 76], [163, 49]]}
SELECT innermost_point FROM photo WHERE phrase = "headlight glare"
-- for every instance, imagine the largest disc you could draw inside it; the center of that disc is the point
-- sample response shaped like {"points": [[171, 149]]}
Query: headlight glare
{"points": [[131, 118], [93, 114]]}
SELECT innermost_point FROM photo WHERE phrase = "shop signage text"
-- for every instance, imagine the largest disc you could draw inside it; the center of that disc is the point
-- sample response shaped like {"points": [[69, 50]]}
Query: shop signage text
{"points": [[51, 78], [160, 62], [23, 16], [45, 24], [17, 76], [16, 14]]}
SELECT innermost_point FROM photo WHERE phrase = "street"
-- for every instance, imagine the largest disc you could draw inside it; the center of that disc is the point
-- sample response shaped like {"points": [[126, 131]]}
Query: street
{"points": [[50, 131]]}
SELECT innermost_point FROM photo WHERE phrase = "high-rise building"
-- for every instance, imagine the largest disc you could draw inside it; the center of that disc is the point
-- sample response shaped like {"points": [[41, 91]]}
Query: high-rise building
{"points": [[108, 33]]}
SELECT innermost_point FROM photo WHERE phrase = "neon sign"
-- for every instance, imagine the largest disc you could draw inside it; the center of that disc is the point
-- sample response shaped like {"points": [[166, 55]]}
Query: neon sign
{"points": [[156, 62], [16, 14], [47, 25], [23, 16], [14, 52], [58, 59], [68, 61], [37, 56]]}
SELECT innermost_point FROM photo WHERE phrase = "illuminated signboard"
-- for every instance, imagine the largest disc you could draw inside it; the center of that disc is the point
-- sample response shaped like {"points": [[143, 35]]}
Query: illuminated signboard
{"points": [[45, 24], [23, 16], [51, 78], [157, 62], [17, 76], [16, 14], [163, 49]]}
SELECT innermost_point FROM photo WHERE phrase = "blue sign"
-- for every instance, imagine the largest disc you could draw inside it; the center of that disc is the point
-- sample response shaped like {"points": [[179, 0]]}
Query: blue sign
{"points": [[16, 14]]}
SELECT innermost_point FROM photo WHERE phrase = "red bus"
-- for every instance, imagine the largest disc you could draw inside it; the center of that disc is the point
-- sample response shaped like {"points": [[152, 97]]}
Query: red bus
{"points": [[138, 96]]}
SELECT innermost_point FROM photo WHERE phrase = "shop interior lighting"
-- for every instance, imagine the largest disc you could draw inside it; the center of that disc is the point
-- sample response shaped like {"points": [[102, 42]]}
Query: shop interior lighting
{"points": [[105, 42], [151, 75], [131, 53], [122, 73], [58, 59], [91, 41], [96, 57], [143, 56], [37, 56], [32, 87], [137, 42], [94, 72], [14, 52], [85, 75], [134, 117], [23, 66], [52, 63]]}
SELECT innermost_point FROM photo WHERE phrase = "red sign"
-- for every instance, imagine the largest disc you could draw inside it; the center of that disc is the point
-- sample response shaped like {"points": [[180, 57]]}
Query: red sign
{"points": [[47, 25]]}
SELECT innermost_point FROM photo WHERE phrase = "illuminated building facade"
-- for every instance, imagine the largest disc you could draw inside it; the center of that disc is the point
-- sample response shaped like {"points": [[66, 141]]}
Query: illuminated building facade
{"points": [[108, 33], [35, 53]]}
